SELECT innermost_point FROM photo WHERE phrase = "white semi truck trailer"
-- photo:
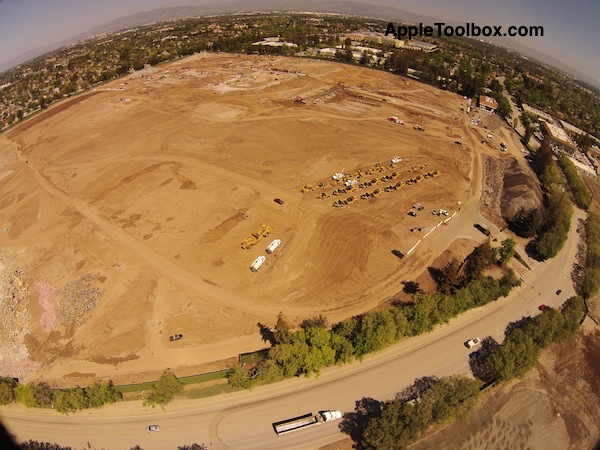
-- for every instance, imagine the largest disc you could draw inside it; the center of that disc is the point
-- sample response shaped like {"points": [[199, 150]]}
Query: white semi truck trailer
{"points": [[305, 421]]}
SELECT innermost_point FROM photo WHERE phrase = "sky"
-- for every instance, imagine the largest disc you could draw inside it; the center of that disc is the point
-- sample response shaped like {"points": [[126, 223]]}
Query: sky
{"points": [[570, 27]]}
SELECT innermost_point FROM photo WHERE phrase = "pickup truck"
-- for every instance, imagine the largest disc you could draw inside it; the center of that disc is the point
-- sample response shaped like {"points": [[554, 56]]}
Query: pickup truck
{"points": [[472, 342]]}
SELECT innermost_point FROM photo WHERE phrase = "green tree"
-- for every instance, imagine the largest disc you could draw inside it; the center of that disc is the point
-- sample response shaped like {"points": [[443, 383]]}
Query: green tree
{"points": [[319, 321], [282, 333], [238, 377], [477, 262], [7, 394], [507, 250], [449, 277], [164, 390], [514, 358], [34, 395], [452, 397]]}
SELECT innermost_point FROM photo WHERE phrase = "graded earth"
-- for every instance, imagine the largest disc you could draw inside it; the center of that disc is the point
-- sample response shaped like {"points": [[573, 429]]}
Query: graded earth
{"points": [[124, 209]]}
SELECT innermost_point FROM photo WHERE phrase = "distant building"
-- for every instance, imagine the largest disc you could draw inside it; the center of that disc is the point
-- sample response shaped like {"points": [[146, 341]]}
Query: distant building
{"points": [[375, 38], [487, 105], [536, 112], [274, 42], [560, 138], [420, 45]]}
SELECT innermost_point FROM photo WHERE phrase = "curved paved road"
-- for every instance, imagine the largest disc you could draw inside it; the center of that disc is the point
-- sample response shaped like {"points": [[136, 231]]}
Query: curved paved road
{"points": [[243, 420]]}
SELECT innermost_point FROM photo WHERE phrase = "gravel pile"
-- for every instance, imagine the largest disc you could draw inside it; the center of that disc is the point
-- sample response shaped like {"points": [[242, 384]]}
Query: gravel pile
{"points": [[76, 298]]}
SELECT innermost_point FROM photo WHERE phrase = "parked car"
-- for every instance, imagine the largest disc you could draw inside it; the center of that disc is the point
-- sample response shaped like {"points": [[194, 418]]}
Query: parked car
{"points": [[278, 201], [398, 253], [542, 307], [150, 428], [474, 354], [175, 337], [412, 213], [558, 292], [472, 342]]}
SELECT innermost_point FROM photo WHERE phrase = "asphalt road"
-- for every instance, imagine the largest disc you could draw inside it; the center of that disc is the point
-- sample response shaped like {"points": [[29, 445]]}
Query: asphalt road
{"points": [[244, 420]]}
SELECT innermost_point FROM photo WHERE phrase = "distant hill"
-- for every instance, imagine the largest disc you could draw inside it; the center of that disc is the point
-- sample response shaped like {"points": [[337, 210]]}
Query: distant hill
{"points": [[388, 13]]}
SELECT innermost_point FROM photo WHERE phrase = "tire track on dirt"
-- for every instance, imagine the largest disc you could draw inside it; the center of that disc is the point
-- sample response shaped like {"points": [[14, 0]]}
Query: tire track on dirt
{"points": [[188, 282]]}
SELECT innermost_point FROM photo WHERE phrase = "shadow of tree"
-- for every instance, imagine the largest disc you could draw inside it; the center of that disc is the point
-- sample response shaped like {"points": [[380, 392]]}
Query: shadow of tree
{"points": [[266, 334], [354, 423], [411, 287]]}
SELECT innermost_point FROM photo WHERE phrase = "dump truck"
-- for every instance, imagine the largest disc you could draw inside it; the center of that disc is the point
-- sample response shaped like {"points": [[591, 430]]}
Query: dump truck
{"points": [[305, 421], [273, 245], [257, 263]]}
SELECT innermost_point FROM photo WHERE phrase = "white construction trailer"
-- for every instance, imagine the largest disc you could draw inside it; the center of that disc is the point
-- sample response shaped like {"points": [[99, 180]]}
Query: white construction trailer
{"points": [[257, 263], [273, 246]]}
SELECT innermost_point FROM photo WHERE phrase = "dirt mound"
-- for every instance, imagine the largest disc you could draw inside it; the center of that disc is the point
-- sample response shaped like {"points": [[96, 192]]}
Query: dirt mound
{"points": [[521, 189], [509, 186]]}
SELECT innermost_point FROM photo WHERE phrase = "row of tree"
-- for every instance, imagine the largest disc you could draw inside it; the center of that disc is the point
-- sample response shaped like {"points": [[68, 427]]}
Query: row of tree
{"points": [[591, 283], [581, 193], [41, 395], [525, 339], [395, 424], [314, 346], [551, 222], [429, 401]]}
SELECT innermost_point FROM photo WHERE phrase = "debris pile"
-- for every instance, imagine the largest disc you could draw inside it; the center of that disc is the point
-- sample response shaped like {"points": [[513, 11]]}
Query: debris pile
{"points": [[14, 322], [48, 303], [76, 298]]}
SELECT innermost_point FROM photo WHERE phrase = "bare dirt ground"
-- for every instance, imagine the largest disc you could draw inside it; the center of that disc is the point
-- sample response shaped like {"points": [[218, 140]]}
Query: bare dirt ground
{"points": [[122, 212], [125, 209]]}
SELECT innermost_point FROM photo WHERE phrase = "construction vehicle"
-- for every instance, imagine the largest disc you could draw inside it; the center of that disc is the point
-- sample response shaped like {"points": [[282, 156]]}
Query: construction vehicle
{"points": [[352, 199], [322, 196], [305, 421], [377, 192], [257, 263], [396, 159], [299, 99], [273, 246], [253, 238]]}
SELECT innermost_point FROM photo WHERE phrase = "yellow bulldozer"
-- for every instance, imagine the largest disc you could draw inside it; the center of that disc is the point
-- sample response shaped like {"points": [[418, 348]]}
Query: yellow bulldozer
{"points": [[255, 236]]}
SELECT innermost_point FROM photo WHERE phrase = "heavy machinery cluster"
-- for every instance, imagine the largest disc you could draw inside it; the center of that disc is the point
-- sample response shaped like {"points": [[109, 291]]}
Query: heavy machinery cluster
{"points": [[380, 190], [253, 238], [349, 182]]}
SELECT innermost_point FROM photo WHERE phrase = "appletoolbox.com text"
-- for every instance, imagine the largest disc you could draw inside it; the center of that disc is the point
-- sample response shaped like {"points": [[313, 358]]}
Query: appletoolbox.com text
{"points": [[467, 30]]}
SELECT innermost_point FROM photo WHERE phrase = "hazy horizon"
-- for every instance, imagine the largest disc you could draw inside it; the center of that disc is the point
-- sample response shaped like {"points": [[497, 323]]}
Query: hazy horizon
{"points": [[569, 27]]}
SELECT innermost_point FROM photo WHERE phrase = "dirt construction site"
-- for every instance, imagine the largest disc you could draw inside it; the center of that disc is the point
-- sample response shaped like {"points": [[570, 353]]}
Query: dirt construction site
{"points": [[123, 210]]}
